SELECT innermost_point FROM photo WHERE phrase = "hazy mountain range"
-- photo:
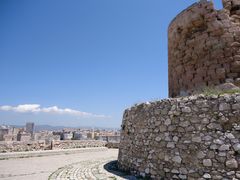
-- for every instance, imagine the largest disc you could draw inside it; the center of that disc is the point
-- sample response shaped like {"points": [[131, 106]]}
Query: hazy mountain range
{"points": [[55, 128]]}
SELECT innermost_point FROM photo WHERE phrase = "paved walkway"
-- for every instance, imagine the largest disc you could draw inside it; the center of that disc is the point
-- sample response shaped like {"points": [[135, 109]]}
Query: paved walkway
{"points": [[89, 170], [82, 165]]}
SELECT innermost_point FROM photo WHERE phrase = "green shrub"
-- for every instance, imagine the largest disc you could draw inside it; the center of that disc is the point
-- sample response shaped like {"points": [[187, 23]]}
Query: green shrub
{"points": [[208, 91]]}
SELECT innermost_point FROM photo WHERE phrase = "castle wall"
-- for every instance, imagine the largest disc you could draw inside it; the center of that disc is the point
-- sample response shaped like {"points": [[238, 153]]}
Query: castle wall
{"points": [[183, 138], [204, 47]]}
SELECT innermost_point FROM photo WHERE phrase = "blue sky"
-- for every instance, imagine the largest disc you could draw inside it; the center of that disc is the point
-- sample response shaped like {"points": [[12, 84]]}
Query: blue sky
{"points": [[60, 58]]}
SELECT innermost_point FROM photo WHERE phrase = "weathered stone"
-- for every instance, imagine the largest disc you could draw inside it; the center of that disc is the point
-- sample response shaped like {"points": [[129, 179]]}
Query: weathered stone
{"points": [[167, 122], [207, 138], [236, 147], [238, 175], [217, 177], [186, 110], [222, 154], [166, 170], [184, 124], [181, 176], [236, 106], [207, 162], [163, 128], [175, 177], [207, 176], [205, 121], [214, 126], [175, 139], [218, 141], [183, 170], [230, 173], [211, 154], [158, 138], [170, 145], [196, 139], [229, 135], [232, 164], [175, 171], [201, 155], [177, 159], [227, 86], [147, 170], [224, 107], [224, 147]]}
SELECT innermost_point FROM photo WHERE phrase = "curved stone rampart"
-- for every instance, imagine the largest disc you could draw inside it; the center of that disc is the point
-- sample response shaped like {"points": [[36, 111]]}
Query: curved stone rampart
{"points": [[183, 138], [204, 47]]}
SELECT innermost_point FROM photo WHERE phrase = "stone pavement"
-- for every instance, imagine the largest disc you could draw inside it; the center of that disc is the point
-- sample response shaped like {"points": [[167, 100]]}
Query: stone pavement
{"points": [[82, 165], [89, 170]]}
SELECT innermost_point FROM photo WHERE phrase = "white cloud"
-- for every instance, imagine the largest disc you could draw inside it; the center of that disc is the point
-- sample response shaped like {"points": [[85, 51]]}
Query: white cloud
{"points": [[36, 108]]}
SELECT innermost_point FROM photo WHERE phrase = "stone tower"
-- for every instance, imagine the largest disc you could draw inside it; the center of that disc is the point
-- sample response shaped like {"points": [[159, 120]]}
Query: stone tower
{"points": [[204, 47]]}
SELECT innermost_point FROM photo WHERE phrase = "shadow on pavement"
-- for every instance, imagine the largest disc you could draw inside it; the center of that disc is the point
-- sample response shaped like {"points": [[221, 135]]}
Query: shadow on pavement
{"points": [[112, 167]]}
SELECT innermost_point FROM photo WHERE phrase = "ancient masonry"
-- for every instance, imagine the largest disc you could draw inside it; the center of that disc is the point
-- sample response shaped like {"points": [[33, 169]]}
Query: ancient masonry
{"points": [[194, 137], [204, 47], [183, 138]]}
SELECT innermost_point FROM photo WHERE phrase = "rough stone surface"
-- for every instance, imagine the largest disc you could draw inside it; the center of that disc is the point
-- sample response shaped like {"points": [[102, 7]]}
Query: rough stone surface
{"points": [[207, 176], [204, 48], [207, 162], [203, 144], [232, 164]]}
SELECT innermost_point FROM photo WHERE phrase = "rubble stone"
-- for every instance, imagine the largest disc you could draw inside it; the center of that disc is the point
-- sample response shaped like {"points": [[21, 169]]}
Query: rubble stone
{"points": [[232, 164], [188, 151]]}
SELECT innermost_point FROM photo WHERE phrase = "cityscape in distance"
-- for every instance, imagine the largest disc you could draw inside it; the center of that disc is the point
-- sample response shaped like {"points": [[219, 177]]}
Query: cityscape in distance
{"points": [[46, 135]]}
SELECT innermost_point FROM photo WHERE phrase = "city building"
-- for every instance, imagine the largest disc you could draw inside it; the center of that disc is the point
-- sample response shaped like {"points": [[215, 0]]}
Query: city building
{"points": [[30, 127], [77, 135], [67, 136], [24, 136], [7, 137], [3, 131]]}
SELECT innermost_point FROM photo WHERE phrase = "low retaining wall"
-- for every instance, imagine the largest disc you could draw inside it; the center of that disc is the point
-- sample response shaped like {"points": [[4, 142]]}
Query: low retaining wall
{"points": [[18, 146], [69, 144], [112, 145], [183, 138]]}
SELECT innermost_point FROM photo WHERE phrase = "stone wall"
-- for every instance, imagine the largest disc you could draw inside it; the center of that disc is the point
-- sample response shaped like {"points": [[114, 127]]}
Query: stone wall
{"points": [[70, 144], [204, 47], [183, 138], [19, 146], [112, 145]]}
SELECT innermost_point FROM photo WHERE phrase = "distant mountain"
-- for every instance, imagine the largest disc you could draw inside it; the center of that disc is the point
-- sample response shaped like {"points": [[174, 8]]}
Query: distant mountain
{"points": [[42, 127], [55, 128], [48, 128]]}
